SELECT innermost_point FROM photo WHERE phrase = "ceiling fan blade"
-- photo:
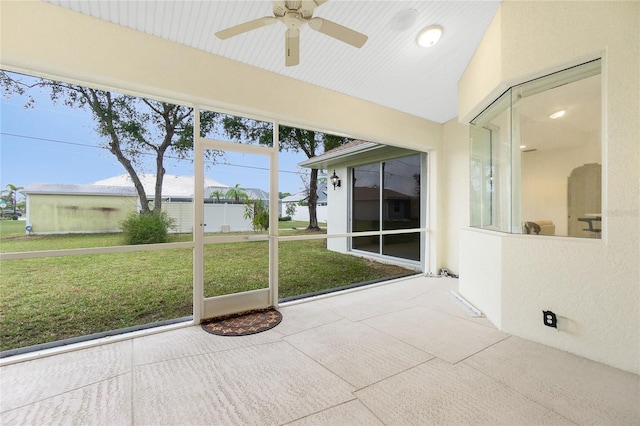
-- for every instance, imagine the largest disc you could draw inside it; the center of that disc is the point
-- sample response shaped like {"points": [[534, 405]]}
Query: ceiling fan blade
{"points": [[307, 7], [246, 27], [337, 31], [292, 46]]}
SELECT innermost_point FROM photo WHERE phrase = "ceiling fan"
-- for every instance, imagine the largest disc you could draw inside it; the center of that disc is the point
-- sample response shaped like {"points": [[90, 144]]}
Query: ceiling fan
{"points": [[294, 15]]}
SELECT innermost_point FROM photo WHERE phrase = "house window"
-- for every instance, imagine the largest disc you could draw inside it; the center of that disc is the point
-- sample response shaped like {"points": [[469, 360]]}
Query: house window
{"points": [[536, 157], [386, 197]]}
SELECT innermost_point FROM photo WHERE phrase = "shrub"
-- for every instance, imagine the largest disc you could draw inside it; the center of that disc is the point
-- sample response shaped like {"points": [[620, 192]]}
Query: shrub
{"points": [[284, 218], [261, 221], [147, 228]]}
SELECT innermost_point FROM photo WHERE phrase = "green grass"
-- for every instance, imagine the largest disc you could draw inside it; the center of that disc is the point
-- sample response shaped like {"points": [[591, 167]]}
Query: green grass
{"points": [[48, 299], [297, 224]]}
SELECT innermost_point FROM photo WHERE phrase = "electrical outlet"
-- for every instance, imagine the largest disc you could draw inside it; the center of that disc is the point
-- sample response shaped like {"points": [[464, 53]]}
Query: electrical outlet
{"points": [[550, 319]]}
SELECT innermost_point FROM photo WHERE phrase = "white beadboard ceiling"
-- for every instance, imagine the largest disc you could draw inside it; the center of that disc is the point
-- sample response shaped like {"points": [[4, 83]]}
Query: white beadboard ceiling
{"points": [[390, 69]]}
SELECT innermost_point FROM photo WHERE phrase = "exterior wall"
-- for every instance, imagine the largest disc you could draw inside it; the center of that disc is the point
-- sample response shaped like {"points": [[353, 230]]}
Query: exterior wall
{"points": [[59, 214], [592, 285], [453, 181], [338, 210]]}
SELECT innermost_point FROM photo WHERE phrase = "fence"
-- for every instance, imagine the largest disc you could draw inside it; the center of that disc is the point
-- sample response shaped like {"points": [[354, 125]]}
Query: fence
{"points": [[217, 217]]}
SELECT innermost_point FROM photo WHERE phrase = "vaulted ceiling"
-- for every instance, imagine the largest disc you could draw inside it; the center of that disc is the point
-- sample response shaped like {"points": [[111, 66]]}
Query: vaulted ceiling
{"points": [[390, 69]]}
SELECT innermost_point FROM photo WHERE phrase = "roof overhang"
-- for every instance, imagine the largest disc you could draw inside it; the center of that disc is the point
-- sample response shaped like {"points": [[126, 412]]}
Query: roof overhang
{"points": [[357, 154]]}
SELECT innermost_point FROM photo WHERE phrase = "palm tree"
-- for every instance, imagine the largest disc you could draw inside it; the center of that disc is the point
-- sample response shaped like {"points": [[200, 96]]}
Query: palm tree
{"points": [[217, 194], [12, 194], [236, 193]]}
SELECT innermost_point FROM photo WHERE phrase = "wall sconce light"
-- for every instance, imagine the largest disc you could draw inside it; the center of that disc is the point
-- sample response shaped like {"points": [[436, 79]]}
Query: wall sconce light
{"points": [[335, 180]]}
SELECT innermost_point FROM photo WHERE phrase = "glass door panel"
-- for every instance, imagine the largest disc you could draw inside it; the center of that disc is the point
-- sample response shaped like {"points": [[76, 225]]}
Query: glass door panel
{"points": [[366, 206]]}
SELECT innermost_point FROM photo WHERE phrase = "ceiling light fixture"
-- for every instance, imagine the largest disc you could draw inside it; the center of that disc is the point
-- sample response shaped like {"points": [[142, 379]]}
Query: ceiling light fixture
{"points": [[429, 36], [557, 114]]}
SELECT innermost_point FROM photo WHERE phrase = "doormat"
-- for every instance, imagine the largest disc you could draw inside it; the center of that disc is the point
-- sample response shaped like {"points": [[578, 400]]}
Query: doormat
{"points": [[244, 323]]}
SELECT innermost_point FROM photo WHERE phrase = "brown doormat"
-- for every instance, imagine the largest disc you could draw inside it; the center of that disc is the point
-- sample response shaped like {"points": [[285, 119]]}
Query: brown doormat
{"points": [[244, 323]]}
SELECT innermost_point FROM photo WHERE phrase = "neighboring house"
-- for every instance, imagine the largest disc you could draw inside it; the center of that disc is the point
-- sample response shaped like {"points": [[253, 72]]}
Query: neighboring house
{"points": [[174, 187], [299, 201], [100, 207], [65, 208]]}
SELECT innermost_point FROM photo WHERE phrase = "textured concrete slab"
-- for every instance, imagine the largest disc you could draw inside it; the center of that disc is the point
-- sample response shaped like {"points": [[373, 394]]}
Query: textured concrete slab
{"points": [[304, 316], [359, 354], [437, 392], [352, 413], [32, 381], [107, 402], [584, 391], [364, 304], [445, 336], [192, 341], [263, 384], [443, 301]]}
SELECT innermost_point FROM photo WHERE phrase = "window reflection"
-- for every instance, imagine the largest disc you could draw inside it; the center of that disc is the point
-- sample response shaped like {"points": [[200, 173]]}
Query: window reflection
{"points": [[386, 196]]}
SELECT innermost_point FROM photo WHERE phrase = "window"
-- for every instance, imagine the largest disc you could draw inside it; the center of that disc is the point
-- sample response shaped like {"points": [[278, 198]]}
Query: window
{"points": [[536, 157], [386, 197]]}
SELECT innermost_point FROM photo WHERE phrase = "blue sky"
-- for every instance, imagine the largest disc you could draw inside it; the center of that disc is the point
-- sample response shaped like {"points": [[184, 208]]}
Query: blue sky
{"points": [[56, 144]]}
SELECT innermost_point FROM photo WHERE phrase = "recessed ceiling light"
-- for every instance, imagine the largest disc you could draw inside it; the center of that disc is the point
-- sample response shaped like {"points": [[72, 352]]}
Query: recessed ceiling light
{"points": [[429, 36], [557, 114]]}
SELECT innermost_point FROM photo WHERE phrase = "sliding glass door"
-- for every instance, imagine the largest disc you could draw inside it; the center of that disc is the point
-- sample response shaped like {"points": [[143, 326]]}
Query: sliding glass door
{"points": [[387, 206]]}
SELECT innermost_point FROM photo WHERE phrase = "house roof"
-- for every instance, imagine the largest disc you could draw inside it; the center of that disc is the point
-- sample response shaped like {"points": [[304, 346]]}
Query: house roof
{"points": [[79, 189], [253, 193], [172, 185], [303, 195]]}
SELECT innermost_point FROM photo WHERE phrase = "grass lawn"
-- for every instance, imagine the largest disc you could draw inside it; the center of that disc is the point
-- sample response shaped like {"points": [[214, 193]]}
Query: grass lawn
{"points": [[48, 299]]}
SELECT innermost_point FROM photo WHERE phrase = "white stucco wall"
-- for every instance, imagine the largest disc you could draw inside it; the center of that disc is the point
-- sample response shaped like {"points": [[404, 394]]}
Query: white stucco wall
{"points": [[338, 211], [453, 182], [592, 285]]}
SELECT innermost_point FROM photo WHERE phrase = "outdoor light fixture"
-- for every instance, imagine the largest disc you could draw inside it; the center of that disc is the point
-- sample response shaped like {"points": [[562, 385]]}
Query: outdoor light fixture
{"points": [[429, 36], [335, 180]]}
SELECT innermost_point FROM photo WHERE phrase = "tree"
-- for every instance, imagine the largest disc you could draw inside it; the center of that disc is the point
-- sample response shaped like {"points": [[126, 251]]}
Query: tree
{"points": [[217, 194], [257, 212], [12, 195], [236, 193], [290, 210], [130, 127], [291, 139]]}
